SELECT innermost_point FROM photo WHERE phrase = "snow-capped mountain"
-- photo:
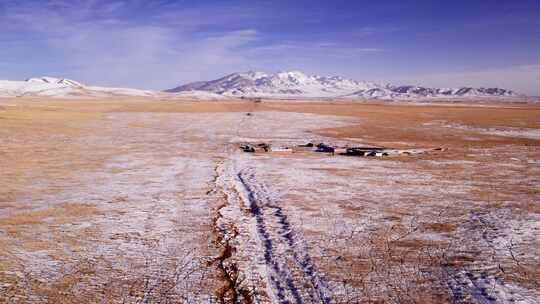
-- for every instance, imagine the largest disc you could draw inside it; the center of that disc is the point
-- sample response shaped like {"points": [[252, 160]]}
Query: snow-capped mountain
{"points": [[61, 87], [415, 92], [52, 80], [281, 84], [296, 84], [290, 85]]}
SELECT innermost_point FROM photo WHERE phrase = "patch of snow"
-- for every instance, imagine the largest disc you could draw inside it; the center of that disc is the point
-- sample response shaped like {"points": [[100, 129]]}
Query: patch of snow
{"points": [[197, 95], [516, 132], [531, 133]]}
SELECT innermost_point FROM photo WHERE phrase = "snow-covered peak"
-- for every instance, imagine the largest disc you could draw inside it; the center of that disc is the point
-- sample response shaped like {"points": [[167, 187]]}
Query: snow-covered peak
{"points": [[253, 75], [62, 87], [295, 84], [54, 80], [282, 84], [293, 76]]}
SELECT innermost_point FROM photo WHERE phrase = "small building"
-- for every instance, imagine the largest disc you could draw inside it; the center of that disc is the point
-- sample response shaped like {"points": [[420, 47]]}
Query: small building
{"points": [[325, 148], [255, 148], [365, 151], [340, 150], [247, 148], [281, 149], [371, 153], [355, 152], [264, 146]]}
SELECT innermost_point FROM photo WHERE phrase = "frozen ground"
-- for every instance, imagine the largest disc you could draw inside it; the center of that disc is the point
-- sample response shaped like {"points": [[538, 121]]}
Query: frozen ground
{"points": [[501, 131], [163, 207]]}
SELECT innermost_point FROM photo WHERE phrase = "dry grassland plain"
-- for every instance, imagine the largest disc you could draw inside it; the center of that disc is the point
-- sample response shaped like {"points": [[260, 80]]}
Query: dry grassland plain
{"points": [[151, 201]]}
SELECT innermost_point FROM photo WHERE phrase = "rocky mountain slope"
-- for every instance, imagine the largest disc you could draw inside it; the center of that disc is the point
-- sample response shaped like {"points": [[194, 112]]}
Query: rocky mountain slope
{"points": [[296, 84]]}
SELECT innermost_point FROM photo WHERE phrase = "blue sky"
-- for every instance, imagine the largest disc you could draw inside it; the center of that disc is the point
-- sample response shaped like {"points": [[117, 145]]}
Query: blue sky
{"points": [[160, 44]]}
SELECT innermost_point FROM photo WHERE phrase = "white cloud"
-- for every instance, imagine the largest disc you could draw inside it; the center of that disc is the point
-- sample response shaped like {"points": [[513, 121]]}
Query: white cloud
{"points": [[108, 51], [91, 41], [152, 57], [99, 42]]}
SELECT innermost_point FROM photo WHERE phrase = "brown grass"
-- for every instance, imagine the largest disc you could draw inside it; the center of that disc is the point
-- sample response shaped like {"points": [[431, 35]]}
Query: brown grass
{"points": [[36, 135], [58, 214], [402, 125]]}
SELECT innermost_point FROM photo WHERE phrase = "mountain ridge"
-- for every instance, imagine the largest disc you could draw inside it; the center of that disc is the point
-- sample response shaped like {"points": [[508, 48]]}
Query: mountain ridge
{"points": [[62, 87], [282, 85], [298, 84]]}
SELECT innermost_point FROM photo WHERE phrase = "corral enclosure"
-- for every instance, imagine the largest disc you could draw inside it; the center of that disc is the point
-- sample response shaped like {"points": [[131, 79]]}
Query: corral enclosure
{"points": [[145, 201]]}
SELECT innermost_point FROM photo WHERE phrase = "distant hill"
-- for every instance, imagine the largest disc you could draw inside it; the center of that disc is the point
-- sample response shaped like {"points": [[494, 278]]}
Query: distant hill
{"points": [[62, 87], [294, 84]]}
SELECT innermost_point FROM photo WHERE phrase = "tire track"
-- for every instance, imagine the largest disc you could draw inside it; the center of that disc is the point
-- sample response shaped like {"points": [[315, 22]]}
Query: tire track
{"points": [[483, 279], [291, 272], [261, 258]]}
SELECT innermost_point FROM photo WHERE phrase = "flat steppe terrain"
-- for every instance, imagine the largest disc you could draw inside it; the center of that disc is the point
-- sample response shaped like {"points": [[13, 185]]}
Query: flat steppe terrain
{"points": [[152, 201]]}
